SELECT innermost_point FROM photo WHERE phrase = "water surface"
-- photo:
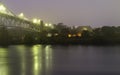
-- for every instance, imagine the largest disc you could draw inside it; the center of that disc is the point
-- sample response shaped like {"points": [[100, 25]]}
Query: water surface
{"points": [[59, 60]]}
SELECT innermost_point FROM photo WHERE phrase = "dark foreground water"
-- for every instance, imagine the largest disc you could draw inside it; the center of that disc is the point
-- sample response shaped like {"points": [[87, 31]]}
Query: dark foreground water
{"points": [[59, 60]]}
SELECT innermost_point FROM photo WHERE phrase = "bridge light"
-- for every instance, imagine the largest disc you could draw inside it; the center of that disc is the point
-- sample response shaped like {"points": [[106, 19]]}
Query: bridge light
{"points": [[21, 15], [35, 20], [50, 24], [39, 20], [46, 24], [2, 8]]}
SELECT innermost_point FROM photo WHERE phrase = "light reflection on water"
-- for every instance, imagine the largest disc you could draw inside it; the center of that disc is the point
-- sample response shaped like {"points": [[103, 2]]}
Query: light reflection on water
{"points": [[59, 60], [21, 60], [37, 59], [3, 62]]}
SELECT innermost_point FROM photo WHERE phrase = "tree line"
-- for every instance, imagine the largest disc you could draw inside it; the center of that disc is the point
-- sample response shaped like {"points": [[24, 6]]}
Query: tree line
{"points": [[63, 34]]}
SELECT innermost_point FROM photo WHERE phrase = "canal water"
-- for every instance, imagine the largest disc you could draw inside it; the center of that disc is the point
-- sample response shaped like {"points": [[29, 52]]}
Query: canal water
{"points": [[59, 60]]}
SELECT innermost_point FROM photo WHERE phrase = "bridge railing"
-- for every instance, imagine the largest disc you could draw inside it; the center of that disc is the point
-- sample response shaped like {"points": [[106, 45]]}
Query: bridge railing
{"points": [[14, 21]]}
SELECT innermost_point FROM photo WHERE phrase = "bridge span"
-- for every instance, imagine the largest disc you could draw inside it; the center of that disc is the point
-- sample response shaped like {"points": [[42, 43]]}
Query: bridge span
{"points": [[15, 28]]}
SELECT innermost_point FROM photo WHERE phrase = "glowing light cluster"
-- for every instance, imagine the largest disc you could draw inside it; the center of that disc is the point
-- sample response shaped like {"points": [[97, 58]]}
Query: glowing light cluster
{"points": [[74, 35], [21, 15], [46, 24], [2, 8], [36, 21], [49, 25]]}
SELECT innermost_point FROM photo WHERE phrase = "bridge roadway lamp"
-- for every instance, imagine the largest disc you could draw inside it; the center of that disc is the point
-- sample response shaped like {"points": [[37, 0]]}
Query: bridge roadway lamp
{"points": [[39, 21], [46, 24], [36, 21], [51, 25], [2, 8], [21, 15]]}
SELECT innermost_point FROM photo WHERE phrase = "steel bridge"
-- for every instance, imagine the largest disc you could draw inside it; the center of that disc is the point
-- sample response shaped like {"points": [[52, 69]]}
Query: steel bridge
{"points": [[18, 28], [9, 20]]}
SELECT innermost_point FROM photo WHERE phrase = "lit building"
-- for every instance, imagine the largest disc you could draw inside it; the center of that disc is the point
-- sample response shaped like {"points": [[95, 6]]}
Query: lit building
{"points": [[84, 28]]}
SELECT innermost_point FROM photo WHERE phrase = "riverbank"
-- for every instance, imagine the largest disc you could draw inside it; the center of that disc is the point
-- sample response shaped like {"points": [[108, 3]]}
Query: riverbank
{"points": [[106, 35]]}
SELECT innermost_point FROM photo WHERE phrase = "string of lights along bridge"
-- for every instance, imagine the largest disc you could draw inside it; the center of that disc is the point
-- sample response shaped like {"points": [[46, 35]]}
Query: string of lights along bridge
{"points": [[10, 20]]}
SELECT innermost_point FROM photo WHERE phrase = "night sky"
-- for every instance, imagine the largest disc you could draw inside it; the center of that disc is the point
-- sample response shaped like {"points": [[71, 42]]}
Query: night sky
{"points": [[95, 13]]}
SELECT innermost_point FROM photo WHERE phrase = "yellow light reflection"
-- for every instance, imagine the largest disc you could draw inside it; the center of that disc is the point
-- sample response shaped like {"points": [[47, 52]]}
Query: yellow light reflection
{"points": [[4, 70], [36, 57], [21, 49], [48, 56]]}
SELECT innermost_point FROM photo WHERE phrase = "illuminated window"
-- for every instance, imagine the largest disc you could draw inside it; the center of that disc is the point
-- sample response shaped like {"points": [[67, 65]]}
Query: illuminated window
{"points": [[69, 35], [79, 34]]}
